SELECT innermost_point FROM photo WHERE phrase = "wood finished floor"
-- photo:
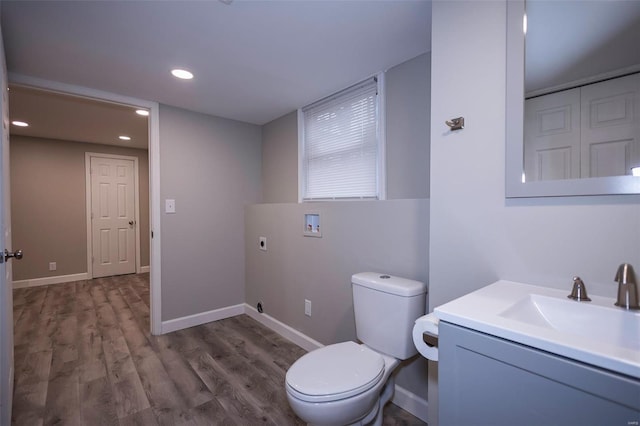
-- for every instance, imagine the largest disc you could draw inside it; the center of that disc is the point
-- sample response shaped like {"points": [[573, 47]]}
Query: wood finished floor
{"points": [[84, 356]]}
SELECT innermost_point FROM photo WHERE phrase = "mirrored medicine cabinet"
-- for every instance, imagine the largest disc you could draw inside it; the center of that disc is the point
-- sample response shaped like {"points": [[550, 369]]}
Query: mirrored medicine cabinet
{"points": [[573, 105]]}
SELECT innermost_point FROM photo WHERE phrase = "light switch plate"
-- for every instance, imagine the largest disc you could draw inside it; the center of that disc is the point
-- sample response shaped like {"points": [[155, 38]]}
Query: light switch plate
{"points": [[169, 206]]}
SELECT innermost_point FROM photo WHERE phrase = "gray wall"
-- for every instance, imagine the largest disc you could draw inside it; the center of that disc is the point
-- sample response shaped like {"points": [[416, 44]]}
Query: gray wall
{"points": [[280, 160], [407, 148], [212, 167], [382, 236], [477, 236], [385, 236], [408, 126], [48, 206]]}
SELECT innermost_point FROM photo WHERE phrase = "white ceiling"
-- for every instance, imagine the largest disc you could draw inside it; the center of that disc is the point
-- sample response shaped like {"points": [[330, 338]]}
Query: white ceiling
{"points": [[253, 61], [58, 116]]}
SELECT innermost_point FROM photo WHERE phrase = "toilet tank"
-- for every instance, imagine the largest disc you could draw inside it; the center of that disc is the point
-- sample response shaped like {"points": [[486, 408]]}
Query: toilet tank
{"points": [[385, 309]]}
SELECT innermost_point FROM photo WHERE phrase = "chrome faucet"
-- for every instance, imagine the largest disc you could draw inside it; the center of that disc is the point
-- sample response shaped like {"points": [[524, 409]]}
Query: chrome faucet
{"points": [[627, 287], [579, 291]]}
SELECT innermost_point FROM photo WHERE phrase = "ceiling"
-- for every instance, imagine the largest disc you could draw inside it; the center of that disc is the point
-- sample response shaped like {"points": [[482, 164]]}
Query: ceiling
{"points": [[64, 117], [253, 61]]}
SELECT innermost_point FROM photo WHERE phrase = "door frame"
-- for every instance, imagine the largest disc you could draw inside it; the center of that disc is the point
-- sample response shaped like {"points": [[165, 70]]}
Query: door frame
{"points": [[155, 246], [88, 198]]}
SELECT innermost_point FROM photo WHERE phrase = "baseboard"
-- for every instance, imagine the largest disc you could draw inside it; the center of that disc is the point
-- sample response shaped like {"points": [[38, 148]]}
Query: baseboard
{"points": [[58, 279], [305, 342], [144, 269], [411, 403], [201, 318]]}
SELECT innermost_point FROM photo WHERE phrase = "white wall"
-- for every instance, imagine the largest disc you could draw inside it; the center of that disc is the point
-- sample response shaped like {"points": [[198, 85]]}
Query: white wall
{"points": [[211, 166], [477, 236]]}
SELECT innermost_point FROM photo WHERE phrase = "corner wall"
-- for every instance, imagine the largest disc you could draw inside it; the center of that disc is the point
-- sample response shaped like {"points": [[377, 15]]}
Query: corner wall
{"points": [[477, 236], [211, 167]]}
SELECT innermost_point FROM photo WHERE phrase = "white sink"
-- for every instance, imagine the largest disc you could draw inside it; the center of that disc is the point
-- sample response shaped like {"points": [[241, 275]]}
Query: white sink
{"points": [[610, 325], [596, 332]]}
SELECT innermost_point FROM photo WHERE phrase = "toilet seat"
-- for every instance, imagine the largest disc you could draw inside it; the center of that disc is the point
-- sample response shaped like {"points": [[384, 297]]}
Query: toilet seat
{"points": [[335, 372]]}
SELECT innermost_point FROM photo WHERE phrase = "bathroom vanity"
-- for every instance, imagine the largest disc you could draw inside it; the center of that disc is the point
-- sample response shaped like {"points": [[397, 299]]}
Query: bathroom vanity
{"points": [[513, 353]]}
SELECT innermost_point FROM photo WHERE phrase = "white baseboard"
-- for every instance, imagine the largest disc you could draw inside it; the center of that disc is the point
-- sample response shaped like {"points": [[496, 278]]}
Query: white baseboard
{"points": [[411, 402], [201, 318], [305, 342], [58, 279], [144, 269]]}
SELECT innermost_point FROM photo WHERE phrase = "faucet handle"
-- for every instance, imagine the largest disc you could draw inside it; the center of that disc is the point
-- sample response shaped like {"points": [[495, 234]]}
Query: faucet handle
{"points": [[579, 291]]}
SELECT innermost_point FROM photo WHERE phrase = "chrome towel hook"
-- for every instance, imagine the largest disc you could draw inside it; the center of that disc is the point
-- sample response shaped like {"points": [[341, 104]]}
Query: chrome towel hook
{"points": [[456, 123]]}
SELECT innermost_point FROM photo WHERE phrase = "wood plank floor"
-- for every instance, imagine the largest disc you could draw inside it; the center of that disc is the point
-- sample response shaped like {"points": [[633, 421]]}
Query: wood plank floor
{"points": [[84, 356]]}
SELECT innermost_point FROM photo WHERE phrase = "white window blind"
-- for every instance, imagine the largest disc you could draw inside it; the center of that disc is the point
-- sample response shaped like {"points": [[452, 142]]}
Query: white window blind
{"points": [[340, 145]]}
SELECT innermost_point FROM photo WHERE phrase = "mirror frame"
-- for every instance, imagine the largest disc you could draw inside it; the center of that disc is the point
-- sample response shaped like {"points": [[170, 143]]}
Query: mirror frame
{"points": [[514, 150]]}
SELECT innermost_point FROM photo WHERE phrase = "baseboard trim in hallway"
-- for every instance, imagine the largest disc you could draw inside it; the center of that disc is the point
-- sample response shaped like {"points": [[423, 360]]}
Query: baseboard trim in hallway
{"points": [[58, 279]]}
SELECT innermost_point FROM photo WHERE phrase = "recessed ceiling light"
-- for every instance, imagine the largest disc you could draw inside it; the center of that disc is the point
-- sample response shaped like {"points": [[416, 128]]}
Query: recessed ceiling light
{"points": [[20, 123], [183, 74], [142, 112], [124, 138]]}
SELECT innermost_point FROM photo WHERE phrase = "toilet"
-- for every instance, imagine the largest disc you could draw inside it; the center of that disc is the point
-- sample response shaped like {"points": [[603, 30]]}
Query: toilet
{"points": [[349, 383]]}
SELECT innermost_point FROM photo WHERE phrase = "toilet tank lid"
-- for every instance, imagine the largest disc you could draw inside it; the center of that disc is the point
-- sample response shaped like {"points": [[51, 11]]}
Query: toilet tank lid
{"points": [[389, 284]]}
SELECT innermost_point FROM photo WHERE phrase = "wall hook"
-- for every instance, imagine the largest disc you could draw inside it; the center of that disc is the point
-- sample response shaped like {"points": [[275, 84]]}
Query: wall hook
{"points": [[456, 123]]}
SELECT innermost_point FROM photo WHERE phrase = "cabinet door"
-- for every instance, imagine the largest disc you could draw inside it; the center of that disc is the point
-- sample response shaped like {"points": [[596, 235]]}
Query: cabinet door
{"points": [[484, 380]]}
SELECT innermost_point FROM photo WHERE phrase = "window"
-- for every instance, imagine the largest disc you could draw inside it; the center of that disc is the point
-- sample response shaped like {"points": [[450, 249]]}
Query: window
{"points": [[341, 145]]}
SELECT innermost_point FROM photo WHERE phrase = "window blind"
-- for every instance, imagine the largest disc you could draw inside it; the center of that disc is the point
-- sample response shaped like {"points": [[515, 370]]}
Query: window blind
{"points": [[340, 147]]}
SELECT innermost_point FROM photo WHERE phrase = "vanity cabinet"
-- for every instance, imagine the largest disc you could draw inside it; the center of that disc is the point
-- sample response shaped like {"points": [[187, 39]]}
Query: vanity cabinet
{"points": [[486, 380]]}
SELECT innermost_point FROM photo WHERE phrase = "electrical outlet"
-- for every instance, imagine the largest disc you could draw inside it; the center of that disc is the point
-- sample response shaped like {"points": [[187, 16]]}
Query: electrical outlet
{"points": [[307, 307], [262, 243], [53, 266]]}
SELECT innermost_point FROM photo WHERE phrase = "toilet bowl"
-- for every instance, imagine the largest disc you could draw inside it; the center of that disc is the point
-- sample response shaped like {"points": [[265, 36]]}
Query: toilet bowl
{"points": [[340, 384], [349, 383]]}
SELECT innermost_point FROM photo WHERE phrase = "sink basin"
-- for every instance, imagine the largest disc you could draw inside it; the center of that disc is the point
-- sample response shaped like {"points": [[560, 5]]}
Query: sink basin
{"points": [[596, 332], [610, 325]]}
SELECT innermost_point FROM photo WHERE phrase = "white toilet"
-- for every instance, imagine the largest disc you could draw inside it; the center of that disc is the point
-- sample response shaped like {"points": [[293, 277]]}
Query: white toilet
{"points": [[349, 383]]}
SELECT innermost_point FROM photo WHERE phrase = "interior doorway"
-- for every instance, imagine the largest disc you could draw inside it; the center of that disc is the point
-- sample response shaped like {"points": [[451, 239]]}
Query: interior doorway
{"points": [[141, 219]]}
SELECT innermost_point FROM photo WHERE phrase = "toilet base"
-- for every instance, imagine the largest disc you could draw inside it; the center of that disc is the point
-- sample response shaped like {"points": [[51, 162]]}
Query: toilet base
{"points": [[375, 417]]}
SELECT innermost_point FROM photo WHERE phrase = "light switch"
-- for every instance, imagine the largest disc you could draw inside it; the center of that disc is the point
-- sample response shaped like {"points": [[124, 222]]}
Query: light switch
{"points": [[169, 206]]}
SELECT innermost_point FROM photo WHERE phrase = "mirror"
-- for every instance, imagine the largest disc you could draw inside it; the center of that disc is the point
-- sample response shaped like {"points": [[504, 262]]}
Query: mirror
{"points": [[577, 84]]}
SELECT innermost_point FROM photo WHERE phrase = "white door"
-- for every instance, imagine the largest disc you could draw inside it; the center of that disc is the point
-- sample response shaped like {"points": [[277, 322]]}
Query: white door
{"points": [[113, 217], [552, 136], [611, 127], [6, 287]]}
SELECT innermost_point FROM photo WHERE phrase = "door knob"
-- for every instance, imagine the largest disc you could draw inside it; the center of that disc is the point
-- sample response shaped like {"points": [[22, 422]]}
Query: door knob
{"points": [[8, 254], [131, 222]]}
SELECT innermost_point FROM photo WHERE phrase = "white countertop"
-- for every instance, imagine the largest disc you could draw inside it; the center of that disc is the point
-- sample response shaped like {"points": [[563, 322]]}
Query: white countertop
{"points": [[502, 309]]}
